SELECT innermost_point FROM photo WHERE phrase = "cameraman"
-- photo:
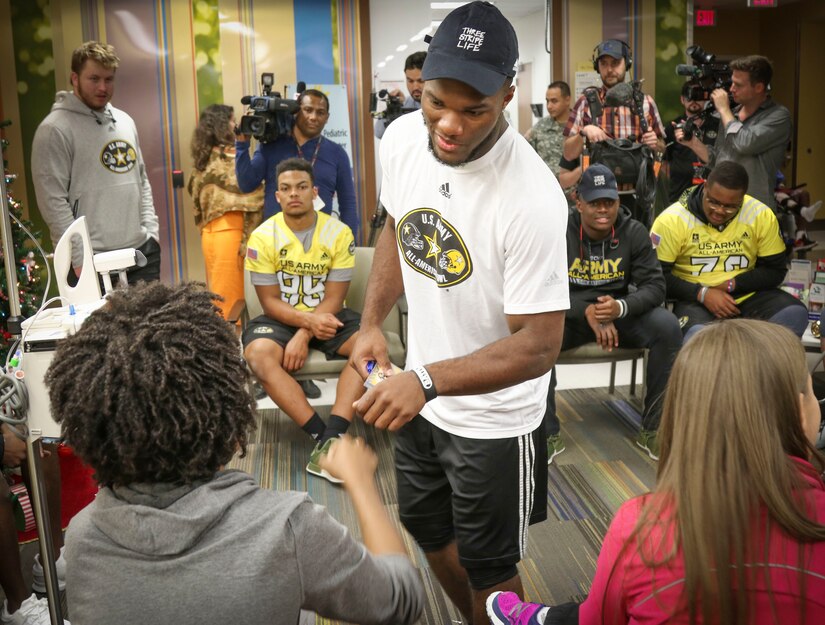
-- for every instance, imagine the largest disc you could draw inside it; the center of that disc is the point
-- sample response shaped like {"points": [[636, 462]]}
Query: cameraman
{"points": [[611, 59], [415, 85], [330, 163], [684, 168], [755, 133]]}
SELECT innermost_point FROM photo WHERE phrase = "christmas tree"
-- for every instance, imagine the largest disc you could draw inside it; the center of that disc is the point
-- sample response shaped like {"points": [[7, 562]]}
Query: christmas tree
{"points": [[30, 274]]}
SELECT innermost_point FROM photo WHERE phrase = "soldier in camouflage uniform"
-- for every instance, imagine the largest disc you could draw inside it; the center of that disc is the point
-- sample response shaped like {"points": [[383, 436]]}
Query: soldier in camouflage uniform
{"points": [[547, 137]]}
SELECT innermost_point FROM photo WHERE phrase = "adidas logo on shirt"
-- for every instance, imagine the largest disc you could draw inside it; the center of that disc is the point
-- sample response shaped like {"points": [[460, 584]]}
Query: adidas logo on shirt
{"points": [[444, 190], [324, 256]]}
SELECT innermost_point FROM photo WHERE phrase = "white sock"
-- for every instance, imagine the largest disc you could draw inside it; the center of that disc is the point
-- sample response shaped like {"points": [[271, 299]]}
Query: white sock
{"points": [[809, 212]]}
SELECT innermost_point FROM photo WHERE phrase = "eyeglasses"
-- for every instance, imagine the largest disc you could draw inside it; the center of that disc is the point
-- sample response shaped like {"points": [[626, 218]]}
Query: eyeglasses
{"points": [[728, 209]]}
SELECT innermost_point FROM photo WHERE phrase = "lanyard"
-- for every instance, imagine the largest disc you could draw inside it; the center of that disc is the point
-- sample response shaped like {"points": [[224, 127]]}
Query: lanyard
{"points": [[314, 155]]}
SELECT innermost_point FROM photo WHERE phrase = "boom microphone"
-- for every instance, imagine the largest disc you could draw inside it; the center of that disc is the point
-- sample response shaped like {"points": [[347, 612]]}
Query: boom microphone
{"points": [[300, 88], [688, 70], [620, 94]]}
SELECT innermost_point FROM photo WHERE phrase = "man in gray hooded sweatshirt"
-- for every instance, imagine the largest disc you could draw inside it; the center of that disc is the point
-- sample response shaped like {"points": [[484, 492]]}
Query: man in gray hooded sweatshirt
{"points": [[172, 536], [86, 161]]}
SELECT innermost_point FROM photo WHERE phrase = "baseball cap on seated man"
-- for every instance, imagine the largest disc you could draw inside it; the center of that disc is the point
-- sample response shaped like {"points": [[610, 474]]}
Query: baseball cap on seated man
{"points": [[475, 44], [597, 183]]}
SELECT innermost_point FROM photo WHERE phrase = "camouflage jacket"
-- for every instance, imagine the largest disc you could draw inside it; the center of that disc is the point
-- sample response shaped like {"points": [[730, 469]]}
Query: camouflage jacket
{"points": [[548, 141], [215, 192]]}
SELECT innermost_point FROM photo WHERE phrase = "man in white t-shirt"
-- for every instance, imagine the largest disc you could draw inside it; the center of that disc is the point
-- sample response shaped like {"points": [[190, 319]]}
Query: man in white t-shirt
{"points": [[475, 239]]}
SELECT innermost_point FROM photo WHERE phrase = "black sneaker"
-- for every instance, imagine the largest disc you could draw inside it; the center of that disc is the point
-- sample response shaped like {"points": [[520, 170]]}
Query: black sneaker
{"points": [[258, 391], [310, 389]]}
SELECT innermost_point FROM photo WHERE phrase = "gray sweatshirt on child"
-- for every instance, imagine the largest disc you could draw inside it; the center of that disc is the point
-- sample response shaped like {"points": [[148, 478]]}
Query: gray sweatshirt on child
{"points": [[88, 163], [226, 551]]}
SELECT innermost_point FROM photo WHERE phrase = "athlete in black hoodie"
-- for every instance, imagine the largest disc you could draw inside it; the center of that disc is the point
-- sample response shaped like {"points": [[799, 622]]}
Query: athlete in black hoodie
{"points": [[607, 251]]}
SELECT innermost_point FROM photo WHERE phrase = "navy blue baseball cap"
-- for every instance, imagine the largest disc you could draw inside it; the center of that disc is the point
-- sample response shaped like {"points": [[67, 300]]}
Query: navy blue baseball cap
{"points": [[476, 45], [610, 47], [597, 183]]}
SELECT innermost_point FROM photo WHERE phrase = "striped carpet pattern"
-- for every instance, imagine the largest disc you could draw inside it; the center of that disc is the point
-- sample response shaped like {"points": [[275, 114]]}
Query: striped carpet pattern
{"points": [[600, 468]]}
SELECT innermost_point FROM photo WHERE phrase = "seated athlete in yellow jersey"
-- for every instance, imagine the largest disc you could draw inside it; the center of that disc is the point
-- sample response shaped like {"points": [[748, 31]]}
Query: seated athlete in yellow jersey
{"points": [[723, 257], [301, 264]]}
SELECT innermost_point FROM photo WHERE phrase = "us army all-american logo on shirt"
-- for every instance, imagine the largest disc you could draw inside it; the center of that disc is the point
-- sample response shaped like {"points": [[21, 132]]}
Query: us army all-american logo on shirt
{"points": [[118, 156], [433, 247]]}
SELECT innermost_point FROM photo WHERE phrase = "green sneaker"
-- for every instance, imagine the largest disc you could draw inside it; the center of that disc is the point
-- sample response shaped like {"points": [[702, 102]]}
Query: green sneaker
{"points": [[314, 466], [649, 441], [555, 445]]}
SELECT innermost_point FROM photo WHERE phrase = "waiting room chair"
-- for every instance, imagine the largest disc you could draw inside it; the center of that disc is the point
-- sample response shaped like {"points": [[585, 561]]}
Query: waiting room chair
{"points": [[317, 367], [592, 353]]}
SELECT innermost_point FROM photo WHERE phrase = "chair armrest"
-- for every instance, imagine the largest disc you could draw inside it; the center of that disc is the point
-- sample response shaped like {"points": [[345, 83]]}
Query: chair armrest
{"points": [[237, 311], [403, 310]]}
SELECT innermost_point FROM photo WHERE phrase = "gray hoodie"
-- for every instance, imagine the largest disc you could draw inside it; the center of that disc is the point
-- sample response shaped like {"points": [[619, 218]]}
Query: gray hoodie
{"points": [[86, 162], [226, 551]]}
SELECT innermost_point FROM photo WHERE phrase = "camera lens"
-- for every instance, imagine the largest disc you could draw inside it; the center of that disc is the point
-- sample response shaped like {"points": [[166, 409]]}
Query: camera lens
{"points": [[699, 56]]}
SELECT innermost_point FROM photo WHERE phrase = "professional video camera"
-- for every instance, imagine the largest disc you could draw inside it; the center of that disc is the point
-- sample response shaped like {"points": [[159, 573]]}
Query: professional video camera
{"points": [[706, 73], [270, 116], [395, 106]]}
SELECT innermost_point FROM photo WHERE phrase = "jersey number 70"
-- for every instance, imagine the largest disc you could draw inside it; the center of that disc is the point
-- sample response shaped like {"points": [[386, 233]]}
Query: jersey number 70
{"points": [[707, 264]]}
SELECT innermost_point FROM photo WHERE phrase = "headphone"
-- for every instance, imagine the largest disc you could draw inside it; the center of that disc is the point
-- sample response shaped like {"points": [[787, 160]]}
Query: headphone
{"points": [[628, 60]]}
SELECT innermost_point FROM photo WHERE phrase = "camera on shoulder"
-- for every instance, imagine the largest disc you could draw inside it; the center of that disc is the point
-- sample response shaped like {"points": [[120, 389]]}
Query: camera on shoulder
{"points": [[394, 106], [706, 74], [269, 115]]}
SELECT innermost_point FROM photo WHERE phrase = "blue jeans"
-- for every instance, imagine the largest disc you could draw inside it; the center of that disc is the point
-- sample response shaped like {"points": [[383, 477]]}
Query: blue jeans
{"points": [[769, 305]]}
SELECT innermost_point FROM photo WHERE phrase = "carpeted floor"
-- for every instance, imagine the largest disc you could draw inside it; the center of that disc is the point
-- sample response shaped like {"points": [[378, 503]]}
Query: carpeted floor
{"points": [[601, 468]]}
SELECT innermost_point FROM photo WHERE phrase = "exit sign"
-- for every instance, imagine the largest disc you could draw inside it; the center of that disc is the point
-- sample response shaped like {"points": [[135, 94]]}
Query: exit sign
{"points": [[706, 17], [763, 3]]}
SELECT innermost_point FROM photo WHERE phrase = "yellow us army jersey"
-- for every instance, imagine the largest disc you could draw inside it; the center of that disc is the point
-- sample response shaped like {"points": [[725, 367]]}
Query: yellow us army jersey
{"points": [[702, 254], [274, 249]]}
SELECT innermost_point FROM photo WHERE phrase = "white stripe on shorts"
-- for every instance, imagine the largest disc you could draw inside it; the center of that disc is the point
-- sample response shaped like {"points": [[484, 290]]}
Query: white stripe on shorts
{"points": [[527, 487]]}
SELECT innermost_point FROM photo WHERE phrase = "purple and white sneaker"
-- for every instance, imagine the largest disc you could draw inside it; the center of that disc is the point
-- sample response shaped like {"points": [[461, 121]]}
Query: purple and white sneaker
{"points": [[507, 608]]}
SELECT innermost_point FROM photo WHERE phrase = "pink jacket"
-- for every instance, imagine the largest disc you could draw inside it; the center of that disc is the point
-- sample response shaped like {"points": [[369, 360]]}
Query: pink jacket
{"points": [[647, 596]]}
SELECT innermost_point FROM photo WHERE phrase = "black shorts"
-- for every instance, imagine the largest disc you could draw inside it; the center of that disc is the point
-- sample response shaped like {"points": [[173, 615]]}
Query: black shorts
{"points": [[263, 327], [482, 493]]}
